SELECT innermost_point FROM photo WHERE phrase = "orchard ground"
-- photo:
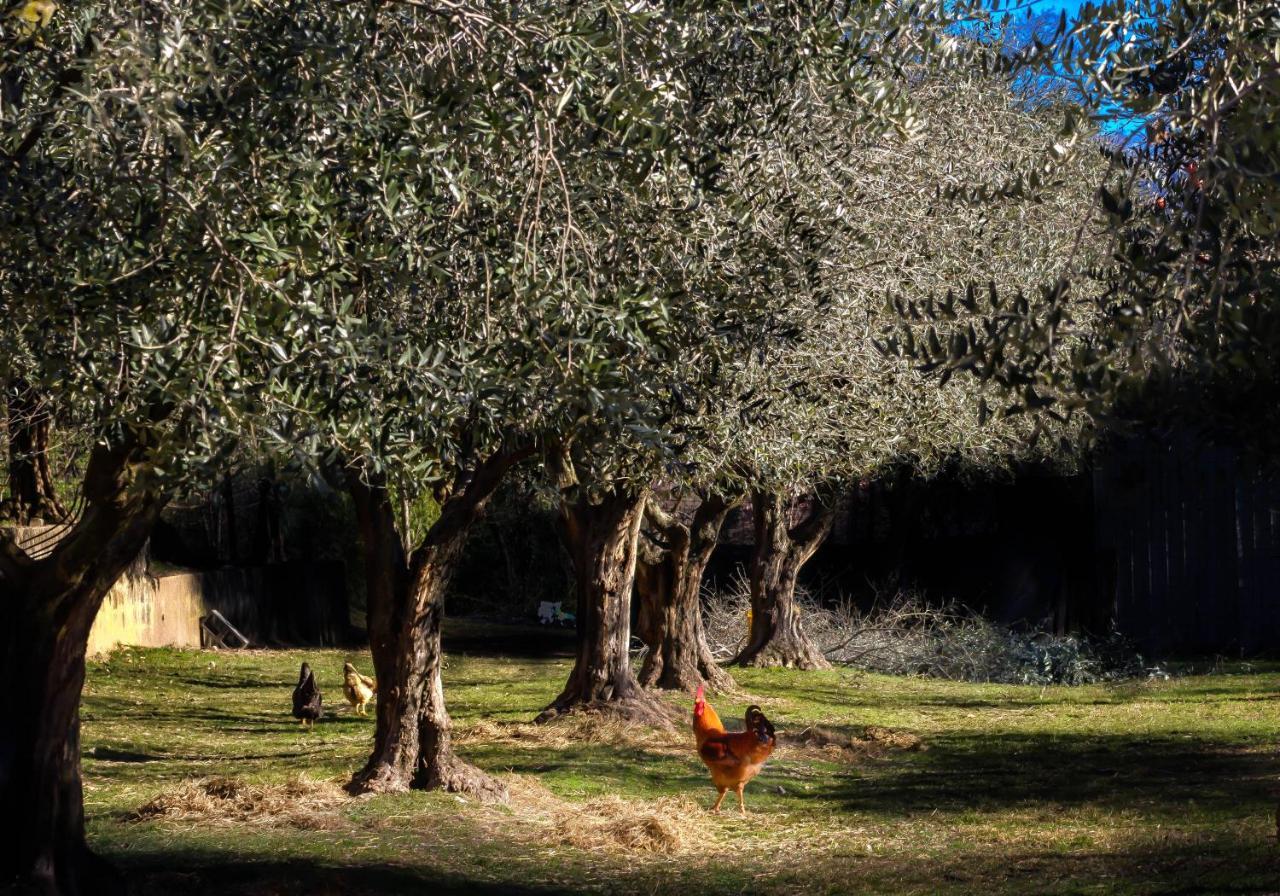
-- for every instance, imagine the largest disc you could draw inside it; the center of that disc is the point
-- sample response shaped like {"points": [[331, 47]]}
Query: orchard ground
{"points": [[197, 781]]}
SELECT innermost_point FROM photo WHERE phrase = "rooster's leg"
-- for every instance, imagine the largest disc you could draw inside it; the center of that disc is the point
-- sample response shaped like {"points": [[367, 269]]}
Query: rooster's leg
{"points": [[716, 807], [742, 807]]}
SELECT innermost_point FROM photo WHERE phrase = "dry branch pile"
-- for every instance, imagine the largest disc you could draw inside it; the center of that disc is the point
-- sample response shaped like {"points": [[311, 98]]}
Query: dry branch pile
{"points": [[904, 634]]}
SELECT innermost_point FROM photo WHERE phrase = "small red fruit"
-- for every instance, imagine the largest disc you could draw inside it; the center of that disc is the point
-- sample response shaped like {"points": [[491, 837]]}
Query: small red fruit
{"points": [[1160, 203]]}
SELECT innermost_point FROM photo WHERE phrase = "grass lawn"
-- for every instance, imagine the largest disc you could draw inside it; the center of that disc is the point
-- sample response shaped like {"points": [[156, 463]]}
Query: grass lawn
{"points": [[1141, 787]]}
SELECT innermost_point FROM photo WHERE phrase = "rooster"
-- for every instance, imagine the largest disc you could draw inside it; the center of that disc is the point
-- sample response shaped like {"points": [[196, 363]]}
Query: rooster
{"points": [[359, 689], [306, 698], [734, 757]]}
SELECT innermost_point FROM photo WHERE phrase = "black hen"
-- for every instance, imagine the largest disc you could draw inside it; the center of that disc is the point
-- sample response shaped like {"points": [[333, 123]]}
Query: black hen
{"points": [[306, 697], [760, 726]]}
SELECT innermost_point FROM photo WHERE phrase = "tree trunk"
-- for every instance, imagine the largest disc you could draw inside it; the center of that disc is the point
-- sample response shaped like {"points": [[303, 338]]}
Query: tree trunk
{"points": [[670, 591], [49, 608], [31, 492], [602, 539], [777, 637], [413, 745]]}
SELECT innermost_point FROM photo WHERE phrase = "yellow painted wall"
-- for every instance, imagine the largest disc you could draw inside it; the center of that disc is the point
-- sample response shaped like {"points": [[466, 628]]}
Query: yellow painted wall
{"points": [[140, 610], [147, 612]]}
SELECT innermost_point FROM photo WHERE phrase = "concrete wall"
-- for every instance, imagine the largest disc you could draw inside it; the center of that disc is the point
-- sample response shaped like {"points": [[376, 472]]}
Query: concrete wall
{"points": [[284, 603], [276, 604], [150, 612]]}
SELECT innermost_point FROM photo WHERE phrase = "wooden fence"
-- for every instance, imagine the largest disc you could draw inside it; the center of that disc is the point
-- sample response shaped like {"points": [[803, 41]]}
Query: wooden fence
{"points": [[1188, 548]]}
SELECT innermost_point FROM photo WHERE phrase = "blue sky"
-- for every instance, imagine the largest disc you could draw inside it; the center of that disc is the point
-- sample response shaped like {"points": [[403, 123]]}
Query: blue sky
{"points": [[1056, 5], [1116, 125]]}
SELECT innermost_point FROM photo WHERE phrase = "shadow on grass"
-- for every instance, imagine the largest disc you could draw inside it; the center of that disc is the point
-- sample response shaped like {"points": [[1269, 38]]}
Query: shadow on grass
{"points": [[983, 772], [196, 874], [1169, 867], [473, 638]]}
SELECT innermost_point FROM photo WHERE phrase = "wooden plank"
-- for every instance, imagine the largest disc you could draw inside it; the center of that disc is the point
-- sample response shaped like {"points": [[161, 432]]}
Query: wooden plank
{"points": [[1161, 608], [1144, 602], [1228, 538], [1120, 506], [1269, 559], [1194, 486]]}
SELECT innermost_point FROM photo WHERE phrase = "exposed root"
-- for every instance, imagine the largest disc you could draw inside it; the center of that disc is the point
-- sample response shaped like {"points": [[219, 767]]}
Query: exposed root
{"points": [[711, 676], [643, 708], [787, 653], [383, 778], [456, 776], [299, 802]]}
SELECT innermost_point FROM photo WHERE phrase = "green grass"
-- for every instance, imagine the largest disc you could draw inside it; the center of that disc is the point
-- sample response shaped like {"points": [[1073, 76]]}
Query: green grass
{"points": [[1141, 787]]}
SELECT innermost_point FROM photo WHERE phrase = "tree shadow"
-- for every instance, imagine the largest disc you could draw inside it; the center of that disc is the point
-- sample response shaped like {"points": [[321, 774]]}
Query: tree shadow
{"points": [[195, 874], [490, 639], [985, 772]]}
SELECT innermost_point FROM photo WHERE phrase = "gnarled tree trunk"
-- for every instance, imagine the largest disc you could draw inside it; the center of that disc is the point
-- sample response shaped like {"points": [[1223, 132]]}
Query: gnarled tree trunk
{"points": [[669, 590], [777, 638], [413, 745], [601, 536], [49, 607], [31, 492]]}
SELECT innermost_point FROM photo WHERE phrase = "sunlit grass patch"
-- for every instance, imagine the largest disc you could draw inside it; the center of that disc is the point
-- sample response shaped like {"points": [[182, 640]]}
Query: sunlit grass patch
{"points": [[879, 784]]}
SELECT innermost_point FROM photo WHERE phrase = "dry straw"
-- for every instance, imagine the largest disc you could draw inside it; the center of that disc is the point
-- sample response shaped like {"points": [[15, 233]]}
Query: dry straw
{"points": [[299, 802], [665, 826]]}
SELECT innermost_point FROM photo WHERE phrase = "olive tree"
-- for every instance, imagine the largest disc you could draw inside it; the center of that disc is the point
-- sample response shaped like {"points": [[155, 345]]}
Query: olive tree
{"points": [[738, 247], [836, 403], [1180, 320], [168, 261]]}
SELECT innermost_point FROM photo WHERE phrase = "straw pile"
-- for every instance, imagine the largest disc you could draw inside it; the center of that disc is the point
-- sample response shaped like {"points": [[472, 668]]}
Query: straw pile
{"points": [[665, 826], [299, 802], [576, 729]]}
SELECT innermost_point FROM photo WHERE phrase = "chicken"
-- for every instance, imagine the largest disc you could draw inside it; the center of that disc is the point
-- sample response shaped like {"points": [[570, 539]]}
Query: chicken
{"points": [[734, 757], [359, 689], [306, 698]]}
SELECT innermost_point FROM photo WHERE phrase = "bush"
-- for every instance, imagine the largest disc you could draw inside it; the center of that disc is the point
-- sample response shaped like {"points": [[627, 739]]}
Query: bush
{"points": [[905, 635]]}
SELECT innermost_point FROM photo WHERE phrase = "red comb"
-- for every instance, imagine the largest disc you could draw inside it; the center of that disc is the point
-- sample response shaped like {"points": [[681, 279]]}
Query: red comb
{"points": [[697, 698]]}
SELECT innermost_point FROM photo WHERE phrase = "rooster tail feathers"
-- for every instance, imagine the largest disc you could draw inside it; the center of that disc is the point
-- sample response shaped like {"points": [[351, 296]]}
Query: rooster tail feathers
{"points": [[759, 724]]}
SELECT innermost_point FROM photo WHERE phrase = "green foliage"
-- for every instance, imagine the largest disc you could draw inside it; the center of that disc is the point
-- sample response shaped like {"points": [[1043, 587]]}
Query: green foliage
{"points": [[1180, 321]]}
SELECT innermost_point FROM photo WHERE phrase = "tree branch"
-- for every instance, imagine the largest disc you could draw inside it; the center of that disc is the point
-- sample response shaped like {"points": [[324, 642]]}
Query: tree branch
{"points": [[461, 508], [69, 77], [14, 562], [809, 535]]}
